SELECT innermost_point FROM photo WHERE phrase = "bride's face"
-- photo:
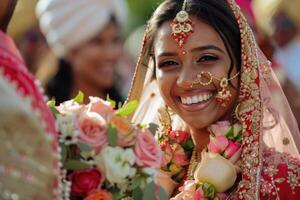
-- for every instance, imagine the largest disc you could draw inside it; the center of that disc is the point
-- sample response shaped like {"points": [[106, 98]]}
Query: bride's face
{"points": [[205, 52]]}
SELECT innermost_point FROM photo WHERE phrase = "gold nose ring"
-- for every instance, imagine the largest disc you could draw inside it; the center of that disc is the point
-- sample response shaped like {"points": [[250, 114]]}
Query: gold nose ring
{"points": [[199, 79]]}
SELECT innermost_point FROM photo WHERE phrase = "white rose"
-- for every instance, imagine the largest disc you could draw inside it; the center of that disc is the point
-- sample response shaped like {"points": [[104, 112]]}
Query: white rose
{"points": [[116, 163], [66, 125], [216, 170]]}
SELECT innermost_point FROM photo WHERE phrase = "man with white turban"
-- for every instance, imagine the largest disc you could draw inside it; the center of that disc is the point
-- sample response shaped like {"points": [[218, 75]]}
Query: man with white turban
{"points": [[85, 36]]}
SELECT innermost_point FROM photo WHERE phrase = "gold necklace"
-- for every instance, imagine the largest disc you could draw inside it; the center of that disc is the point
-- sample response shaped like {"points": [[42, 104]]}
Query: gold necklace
{"points": [[192, 165]]}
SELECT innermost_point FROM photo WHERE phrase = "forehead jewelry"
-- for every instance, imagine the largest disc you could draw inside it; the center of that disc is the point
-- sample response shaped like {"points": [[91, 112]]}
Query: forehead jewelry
{"points": [[182, 27]]}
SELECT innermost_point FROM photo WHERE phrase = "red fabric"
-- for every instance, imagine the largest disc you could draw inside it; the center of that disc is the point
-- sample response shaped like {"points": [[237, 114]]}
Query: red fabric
{"points": [[289, 168]]}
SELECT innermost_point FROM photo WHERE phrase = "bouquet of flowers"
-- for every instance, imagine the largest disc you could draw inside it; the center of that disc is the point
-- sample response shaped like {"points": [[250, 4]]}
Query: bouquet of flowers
{"points": [[218, 169], [103, 155], [177, 147]]}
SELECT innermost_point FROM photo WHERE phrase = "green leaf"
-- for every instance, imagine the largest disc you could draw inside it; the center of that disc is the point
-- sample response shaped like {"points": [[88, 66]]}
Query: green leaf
{"points": [[153, 128], [229, 132], [162, 195], [112, 102], [127, 109], [209, 190], [188, 144], [63, 152], [112, 135], [120, 105], [149, 191], [76, 165], [51, 105], [137, 194], [84, 147], [79, 98]]}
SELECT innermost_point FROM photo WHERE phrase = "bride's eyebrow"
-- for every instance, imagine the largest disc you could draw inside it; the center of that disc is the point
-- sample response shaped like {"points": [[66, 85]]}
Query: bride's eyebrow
{"points": [[164, 54], [207, 47]]}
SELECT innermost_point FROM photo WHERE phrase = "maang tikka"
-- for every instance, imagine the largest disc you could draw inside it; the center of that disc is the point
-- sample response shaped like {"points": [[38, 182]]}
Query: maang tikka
{"points": [[182, 27], [224, 95]]}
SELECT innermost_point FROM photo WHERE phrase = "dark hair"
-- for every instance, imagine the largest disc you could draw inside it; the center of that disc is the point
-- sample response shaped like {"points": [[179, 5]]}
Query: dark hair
{"points": [[60, 86], [216, 13]]}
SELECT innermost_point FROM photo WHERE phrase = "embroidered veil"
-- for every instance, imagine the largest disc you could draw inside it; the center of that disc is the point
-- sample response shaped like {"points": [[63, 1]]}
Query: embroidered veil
{"points": [[270, 133]]}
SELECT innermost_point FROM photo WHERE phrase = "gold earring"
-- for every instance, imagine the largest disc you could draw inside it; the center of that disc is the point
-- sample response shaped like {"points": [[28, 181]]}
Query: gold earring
{"points": [[224, 96]]}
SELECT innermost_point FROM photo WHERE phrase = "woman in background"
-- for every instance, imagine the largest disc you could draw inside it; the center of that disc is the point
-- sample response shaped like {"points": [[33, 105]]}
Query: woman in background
{"points": [[86, 37]]}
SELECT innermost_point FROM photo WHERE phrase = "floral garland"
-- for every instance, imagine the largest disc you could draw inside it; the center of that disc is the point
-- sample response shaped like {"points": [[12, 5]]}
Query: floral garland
{"points": [[218, 169]]}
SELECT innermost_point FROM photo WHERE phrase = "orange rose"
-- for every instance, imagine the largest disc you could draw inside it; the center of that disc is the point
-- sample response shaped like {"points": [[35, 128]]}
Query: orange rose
{"points": [[126, 134], [99, 195]]}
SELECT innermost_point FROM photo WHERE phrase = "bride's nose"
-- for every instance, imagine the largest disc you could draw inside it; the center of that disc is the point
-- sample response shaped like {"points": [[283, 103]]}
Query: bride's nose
{"points": [[186, 77]]}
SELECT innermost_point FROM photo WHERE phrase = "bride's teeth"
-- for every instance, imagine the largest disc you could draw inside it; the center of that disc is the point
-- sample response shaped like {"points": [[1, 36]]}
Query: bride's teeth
{"points": [[195, 99], [200, 98]]}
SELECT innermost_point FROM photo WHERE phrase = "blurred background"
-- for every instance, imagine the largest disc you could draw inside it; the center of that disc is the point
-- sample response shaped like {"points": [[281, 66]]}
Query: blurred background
{"points": [[93, 45]]}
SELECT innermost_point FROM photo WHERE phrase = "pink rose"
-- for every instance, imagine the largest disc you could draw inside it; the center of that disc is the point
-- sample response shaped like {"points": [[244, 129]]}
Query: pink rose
{"points": [[222, 196], [167, 154], [85, 181], [217, 144], [179, 156], [147, 150], [104, 108], [199, 194], [70, 106], [93, 130], [220, 128], [179, 136], [232, 148]]}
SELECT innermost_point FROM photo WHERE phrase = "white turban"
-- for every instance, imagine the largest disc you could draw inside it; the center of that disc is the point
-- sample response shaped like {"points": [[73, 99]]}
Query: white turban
{"points": [[68, 23]]}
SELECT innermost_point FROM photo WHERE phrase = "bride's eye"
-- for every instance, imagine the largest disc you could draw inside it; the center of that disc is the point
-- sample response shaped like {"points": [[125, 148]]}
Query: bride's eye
{"points": [[168, 63], [207, 58]]}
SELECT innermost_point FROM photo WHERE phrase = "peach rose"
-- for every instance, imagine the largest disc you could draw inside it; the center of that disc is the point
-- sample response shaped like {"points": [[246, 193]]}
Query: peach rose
{"points": [[93, 130], [126, 133], [147, 150], [99, 195], [104, 108]]}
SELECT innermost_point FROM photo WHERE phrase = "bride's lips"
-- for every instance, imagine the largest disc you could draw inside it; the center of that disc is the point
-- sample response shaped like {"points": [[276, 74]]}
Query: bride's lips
{"points": [[196, 101]]}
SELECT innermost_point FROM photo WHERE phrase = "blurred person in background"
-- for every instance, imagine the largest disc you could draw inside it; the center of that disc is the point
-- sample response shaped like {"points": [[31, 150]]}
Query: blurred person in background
{"points": [[26, 124], [25, 31], [286, 24], [86, 38]]}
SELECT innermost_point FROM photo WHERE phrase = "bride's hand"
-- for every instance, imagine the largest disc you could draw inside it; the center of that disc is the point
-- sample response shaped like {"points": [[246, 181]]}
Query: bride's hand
{"points": [[166, 182]]}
